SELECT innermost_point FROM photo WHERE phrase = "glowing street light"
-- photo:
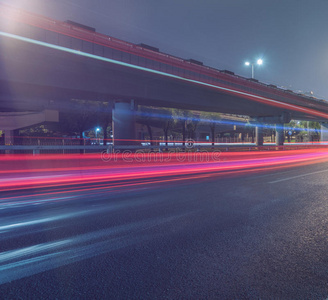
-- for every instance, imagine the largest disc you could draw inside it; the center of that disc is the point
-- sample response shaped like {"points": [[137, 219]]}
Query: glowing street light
{"points": [[258, 62], [97, 130]]}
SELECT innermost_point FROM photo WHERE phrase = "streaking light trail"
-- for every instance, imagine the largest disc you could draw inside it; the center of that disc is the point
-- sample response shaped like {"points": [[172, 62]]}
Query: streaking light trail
{"points": [[41, 184], [119, 170]]}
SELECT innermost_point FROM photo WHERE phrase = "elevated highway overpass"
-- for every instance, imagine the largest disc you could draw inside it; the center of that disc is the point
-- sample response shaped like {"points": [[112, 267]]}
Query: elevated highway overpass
{"points": [[45, 63]]}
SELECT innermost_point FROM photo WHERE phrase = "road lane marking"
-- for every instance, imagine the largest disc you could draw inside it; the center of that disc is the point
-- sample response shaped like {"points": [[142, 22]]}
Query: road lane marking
{"points": [[298, 176]]}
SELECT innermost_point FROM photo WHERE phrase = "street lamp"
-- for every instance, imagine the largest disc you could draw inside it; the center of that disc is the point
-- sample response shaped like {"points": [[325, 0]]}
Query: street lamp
{"points": [[97, 130], [258, 62]]}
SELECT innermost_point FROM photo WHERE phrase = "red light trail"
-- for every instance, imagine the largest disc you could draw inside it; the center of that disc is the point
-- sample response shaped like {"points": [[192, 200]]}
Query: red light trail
{"points": [[21, 172]]}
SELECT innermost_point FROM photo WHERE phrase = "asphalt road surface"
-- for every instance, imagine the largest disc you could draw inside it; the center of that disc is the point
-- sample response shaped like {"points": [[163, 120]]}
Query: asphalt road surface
{"points": [[248, 235]]}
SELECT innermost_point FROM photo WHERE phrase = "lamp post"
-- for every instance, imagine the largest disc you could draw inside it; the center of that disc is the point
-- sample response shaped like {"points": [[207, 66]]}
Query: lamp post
{"points": [[258, 62], [97, 130]]}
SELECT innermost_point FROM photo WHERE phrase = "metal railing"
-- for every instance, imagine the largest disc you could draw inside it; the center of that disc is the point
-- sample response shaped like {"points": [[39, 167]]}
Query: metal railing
{"points": [[161, 147]]}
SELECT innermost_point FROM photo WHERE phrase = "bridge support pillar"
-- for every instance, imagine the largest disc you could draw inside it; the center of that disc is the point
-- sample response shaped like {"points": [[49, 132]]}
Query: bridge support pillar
{"points": [[124, 123], [280, 134], [259, 136], [324, 132]]}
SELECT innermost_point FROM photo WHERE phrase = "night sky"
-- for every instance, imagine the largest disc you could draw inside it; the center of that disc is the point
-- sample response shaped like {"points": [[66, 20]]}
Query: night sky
{"points": [[289, 35]]}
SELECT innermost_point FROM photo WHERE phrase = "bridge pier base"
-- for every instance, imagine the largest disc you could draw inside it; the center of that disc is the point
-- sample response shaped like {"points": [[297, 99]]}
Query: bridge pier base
{"points": [[280, 134], [124, 123], [259, 136]]}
